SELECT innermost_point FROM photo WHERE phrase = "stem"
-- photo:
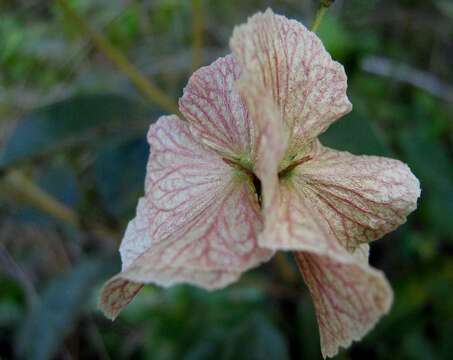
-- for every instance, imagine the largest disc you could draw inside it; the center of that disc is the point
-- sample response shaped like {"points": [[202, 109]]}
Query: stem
{"points": [[324, 5], [197, 34], [16, 183], [147, 88], [25, 189], [285, 269]]}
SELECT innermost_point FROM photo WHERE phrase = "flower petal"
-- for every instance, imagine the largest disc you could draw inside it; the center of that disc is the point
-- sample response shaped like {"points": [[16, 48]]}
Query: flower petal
{"points": [[325, 208], [271, 137], [116, 294], [198, 222], [215, 109], [361, 197], [291, 62], [353, 199], [349, 298]]}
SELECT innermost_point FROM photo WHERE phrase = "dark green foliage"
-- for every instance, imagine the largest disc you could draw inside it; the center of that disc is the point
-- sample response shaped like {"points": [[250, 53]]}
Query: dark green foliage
{"points": [[58, 308], [77, 121], [120, 190]]}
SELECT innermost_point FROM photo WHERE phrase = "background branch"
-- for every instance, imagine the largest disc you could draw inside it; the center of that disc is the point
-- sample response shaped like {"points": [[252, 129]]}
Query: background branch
{"points": [[25, 189], [197, 34], [151, 91]]}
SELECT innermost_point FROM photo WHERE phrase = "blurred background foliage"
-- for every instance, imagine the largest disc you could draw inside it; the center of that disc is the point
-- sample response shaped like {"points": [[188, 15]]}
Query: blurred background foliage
{"points": [[72, 162]]}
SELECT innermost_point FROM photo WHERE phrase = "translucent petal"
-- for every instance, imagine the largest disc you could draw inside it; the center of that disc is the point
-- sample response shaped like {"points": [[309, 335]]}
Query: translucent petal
{"points": [[271, 139], [361, 197], [349, 297], [291, 62], [216, 111], [325, 208], [355, 199], [198, 222]]}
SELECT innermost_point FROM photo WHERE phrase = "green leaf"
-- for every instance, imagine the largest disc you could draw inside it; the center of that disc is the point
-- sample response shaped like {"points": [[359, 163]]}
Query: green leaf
{"points": [[255, 339], [120, 172], [60, 180], [79, 120], [335, 38], [60, 304], [356, 134], [429, 160], [446, 6]]}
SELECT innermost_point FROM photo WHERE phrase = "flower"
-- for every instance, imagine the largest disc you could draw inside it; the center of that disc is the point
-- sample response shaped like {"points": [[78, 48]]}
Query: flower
{"points": [[245, 176]]}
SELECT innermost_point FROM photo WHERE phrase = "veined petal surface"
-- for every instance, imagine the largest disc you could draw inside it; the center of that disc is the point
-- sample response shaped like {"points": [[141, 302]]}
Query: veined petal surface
{"points": [[362, 198], [198, 222], [291, 62], [271, 138], [356, 199], [326, 208], [349, 297], [215, 109]]}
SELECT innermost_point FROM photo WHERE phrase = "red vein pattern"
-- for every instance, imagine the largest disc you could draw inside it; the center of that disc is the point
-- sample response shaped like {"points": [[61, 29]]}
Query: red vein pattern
{"points": [[198, 222], [349, 298], [362, 197], [325, 209], [355, 198], [328, 203], [261, 110], [215, 109], [271, 138], [116, 294], [291, 62]]}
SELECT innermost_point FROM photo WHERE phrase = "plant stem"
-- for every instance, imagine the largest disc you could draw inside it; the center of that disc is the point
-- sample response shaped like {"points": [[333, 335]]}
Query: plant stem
{"points": [[197, 34], [285, 269], [152, 92], [17, 183], [324, 5]]}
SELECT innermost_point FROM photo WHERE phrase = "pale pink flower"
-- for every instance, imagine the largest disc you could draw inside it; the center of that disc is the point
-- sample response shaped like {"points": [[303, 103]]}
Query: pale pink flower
{"points": [[256, 114]]}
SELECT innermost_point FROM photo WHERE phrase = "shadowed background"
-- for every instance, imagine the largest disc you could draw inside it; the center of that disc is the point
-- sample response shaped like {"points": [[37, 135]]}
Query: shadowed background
{"points": [[72, 162]]}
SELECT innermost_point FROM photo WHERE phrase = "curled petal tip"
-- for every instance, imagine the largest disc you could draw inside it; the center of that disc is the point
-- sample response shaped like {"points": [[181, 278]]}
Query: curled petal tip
{"points": [[350, 297], [116, 294]]}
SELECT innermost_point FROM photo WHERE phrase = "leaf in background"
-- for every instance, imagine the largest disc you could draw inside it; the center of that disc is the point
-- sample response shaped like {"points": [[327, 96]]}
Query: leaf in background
{"points": [[77, 120], [308, 329], [56, 178], [446, 6], [356, 134], [120, 172], [60, 180], [255, 339], [12, 299], [335, 38], [429, 161], [61, 302]]}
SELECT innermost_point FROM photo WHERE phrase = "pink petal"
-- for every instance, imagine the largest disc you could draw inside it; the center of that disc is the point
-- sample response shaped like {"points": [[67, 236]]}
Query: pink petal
{"points": [[356, 199], [216, 111], [349, 298], [271, 138], [326, 208], [361, 197], [197, 224], [291, 62]]}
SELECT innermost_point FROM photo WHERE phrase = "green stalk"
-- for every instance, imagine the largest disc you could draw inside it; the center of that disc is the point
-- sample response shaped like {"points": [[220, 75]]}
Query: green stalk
{"points": [[197, 34], [151, 91], [17, 183], [324, 5]]}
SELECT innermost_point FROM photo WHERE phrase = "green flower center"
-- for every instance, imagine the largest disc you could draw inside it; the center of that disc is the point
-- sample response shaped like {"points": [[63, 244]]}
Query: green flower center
{"points": [[245, 167]]}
